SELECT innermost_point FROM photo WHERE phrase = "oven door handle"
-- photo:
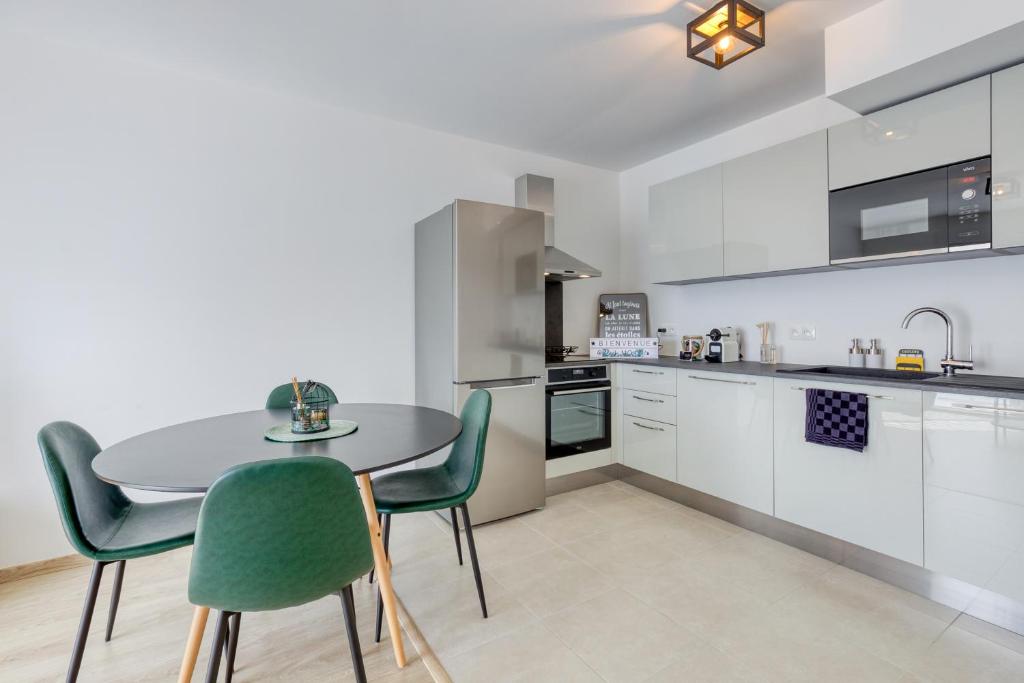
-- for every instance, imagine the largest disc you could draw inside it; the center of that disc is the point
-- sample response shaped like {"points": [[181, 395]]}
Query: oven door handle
{"points": [[568, 392]]}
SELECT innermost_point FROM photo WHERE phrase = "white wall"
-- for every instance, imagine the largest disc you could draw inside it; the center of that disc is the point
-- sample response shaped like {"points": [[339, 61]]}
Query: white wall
{"points": [[870, 303], [174, 247]]}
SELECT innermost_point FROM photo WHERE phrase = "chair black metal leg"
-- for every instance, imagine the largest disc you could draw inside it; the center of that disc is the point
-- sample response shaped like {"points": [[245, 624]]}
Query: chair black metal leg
{"points": [[227, 637], [455, 529], [232, 646], [83, 626], [349, 604], [218, 646], [115, 598], [380, 600], [472, 557], [371, 569]]}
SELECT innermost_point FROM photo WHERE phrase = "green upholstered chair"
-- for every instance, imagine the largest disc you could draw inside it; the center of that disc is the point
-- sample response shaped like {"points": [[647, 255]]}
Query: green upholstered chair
{"points": [[448, 485], [102, 523], [276, 534], [281, 397]]}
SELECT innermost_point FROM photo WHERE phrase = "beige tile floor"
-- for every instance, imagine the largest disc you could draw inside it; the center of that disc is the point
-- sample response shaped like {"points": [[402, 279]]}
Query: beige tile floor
{"points": [[608, 583], [611, 583], [39, 616]]}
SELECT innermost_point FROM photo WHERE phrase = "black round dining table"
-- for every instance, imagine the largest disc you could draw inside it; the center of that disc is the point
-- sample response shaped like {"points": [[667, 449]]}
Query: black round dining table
{"points": [[189, 457]]}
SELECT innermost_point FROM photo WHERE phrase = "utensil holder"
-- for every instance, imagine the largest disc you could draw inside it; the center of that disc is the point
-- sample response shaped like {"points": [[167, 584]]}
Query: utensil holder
{"points": [[769, 354], [310, 416]]}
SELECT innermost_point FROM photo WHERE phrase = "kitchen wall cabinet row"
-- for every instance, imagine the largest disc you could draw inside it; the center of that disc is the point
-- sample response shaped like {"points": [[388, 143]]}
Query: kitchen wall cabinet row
{"points": [[940, 484], [764, 212], [767, 212]]}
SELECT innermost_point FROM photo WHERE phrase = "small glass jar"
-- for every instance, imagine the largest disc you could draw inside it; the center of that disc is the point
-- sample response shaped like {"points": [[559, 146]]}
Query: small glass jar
{"points": [[769, 354], [310, 417]]}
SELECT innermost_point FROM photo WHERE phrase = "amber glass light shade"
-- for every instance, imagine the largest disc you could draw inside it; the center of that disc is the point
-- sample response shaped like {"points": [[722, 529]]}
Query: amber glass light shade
{"points": [[726, 32]]}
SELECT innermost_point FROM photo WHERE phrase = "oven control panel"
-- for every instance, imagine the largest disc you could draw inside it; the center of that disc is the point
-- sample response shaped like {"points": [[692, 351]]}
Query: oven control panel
{"points": [[577, 373]]}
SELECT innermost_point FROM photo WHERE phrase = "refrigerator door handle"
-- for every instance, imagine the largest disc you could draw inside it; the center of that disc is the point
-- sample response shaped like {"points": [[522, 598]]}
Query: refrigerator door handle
{"points": [[502, 383]]}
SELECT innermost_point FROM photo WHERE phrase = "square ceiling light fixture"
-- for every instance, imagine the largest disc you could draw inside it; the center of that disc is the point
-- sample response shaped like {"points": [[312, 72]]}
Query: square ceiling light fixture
{"points": [[726, 32]]}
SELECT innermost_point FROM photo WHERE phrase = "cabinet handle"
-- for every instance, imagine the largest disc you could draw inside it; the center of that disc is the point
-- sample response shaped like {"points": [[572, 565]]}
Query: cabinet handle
{"points": [[727, 381], [653, 429], [968, 406], [649, 400], [647, 372], [878, 396]]}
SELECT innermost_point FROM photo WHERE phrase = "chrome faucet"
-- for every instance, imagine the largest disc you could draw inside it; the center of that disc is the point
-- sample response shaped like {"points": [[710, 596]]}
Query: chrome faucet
{"points": [[949, 364]]}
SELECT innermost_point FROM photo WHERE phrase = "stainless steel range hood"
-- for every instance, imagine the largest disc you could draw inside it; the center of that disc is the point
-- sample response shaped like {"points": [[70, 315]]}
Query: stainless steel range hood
{"points": [[538, 193]]}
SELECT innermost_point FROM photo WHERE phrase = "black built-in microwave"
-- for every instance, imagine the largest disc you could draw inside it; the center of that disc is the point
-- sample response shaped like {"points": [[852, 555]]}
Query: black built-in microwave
{"points": [[938, 211]]}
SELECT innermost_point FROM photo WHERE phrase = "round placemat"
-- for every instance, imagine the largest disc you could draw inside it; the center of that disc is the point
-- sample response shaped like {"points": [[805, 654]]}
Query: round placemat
{"points": [[283, 432]]}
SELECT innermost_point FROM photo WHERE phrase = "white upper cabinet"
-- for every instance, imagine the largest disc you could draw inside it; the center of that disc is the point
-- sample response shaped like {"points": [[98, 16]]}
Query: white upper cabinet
{"points": [[776, 208], [684, 235], [1008, 158], [943, 128], [725, 436], [872, 499], [974, 490]]}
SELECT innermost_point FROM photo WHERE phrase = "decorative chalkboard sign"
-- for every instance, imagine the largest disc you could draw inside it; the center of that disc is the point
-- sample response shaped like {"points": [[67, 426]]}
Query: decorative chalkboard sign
{"points": [[622, 316]]}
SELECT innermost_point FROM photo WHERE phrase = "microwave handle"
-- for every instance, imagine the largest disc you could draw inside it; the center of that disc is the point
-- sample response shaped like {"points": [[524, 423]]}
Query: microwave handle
{"points": [[988, 186]]}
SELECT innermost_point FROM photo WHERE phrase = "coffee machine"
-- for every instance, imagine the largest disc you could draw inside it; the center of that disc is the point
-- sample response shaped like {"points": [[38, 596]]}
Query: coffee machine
{"points": [[723, 345]]}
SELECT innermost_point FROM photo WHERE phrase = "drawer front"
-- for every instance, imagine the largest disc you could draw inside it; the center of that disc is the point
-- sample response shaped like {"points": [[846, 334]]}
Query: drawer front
{"points": [[649, 378], [657, 407], [649, 446]]}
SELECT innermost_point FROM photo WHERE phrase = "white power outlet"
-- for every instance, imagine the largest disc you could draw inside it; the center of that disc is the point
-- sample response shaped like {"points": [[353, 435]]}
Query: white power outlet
{"points": [[802, 332]]}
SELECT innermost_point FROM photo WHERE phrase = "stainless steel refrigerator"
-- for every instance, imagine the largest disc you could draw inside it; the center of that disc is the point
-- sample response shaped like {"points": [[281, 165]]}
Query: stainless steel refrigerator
{"points": [[480, 324]]}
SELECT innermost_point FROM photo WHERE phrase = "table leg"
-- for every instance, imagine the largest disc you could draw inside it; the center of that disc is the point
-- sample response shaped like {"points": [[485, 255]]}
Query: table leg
{"points": [[195, 641], [383, 567]]}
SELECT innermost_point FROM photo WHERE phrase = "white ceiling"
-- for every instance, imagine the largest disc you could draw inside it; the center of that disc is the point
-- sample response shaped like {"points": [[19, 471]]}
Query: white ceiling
{"points": [[603, 82]]}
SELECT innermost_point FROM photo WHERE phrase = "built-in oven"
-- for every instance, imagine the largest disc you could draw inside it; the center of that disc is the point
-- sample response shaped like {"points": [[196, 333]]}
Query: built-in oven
{"points": [[579, 414], [938, 211]]}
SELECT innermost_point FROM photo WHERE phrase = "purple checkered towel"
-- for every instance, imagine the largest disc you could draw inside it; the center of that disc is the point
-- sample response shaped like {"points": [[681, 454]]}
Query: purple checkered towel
{"points": [[837, 418]]}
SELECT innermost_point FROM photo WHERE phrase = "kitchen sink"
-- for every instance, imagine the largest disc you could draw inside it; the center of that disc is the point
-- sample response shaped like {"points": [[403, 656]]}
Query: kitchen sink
{"points": [[967, 381], [864, 373]]}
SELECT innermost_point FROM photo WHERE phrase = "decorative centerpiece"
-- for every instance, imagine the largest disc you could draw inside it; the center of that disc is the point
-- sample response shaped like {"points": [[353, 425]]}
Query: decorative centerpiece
{"points": [[311, 408]]}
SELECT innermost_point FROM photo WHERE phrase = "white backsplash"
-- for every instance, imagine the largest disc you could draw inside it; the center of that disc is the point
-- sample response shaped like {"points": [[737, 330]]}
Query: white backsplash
{"points": [[983, 296]]}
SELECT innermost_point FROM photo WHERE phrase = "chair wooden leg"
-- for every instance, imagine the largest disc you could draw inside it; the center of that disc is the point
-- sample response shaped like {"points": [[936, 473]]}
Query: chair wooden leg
{"points": [[218, 646], [349, 604], [380, 559], [115, 598], [455, 529], [472, 557], [195, 641], [83, 625], [232, 646], [378, 524], [380, 601]]}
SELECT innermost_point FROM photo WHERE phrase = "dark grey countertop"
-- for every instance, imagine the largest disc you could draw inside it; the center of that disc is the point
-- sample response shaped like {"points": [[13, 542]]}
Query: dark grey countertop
{"points": [[964, 383]]}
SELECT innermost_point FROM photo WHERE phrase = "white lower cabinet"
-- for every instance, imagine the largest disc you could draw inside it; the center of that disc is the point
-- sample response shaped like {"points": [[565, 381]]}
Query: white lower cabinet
{"points": [[725, 436], [649, 406], [649, 446], [872, 499], [649, 378], [974, 490]]}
